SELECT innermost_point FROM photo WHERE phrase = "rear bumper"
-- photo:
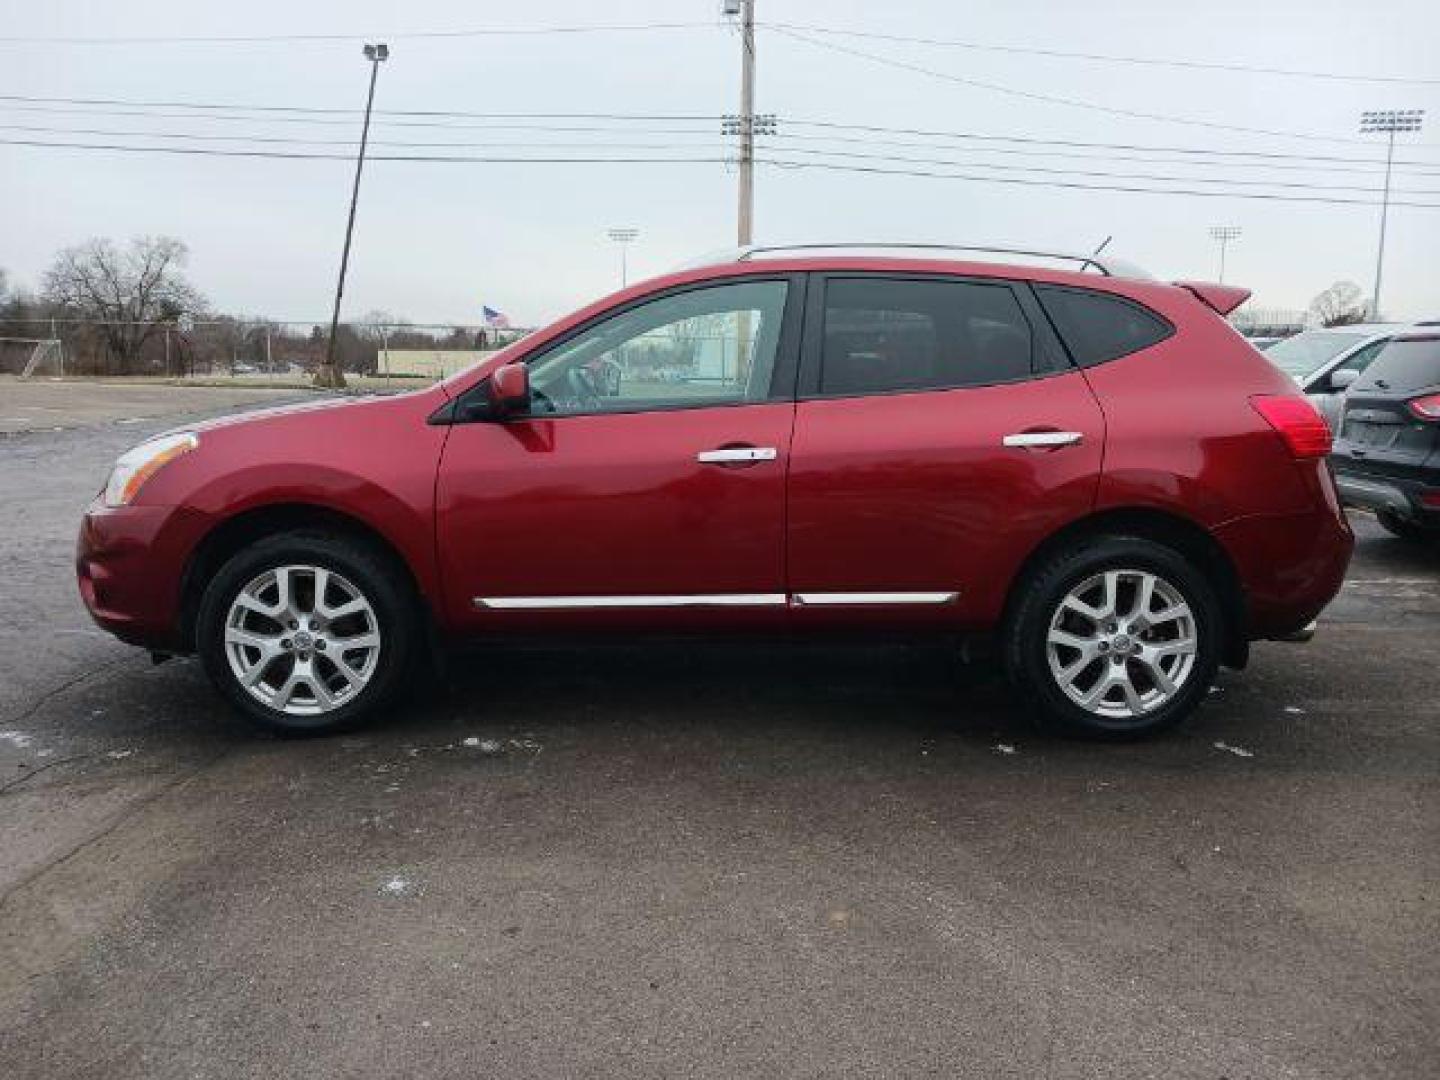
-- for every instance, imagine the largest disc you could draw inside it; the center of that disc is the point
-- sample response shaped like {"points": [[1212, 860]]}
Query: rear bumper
{"points": [[128, 564], [1290, 567], [1392, 495]]}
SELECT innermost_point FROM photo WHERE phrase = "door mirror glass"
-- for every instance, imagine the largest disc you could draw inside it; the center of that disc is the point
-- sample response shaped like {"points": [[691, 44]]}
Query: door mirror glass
{"points": [[1343, 378], [510, 391]]}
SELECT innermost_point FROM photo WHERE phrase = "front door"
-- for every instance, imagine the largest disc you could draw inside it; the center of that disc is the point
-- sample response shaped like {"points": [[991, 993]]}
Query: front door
{"points": [[647, 480], [941, 435]]}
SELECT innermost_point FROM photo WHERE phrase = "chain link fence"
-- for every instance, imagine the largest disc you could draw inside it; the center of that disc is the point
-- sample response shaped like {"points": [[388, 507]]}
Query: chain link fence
{"points": [[256, 351]]}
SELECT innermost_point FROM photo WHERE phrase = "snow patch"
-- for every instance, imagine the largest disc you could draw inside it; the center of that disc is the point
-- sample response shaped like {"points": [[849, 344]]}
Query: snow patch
{"points": [[1238, 751], [1004, 748], [17, 739], [1294, 710], [397, 886]]}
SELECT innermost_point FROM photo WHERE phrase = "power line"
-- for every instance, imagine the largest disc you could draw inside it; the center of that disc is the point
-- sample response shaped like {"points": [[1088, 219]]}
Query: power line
{"points": [[779, 162], [256, 39], [1287, 184], [209, 106], [1373, 167], [1050, 99], [210, 112], [205, 151], [1109, 58], [708, 130], [1030, 140], [783, 144], [876, 170], [283, 140]]}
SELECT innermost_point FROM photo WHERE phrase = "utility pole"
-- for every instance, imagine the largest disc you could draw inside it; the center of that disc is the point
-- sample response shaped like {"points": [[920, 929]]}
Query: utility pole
{"points": [[329, 373], [1388, 121], [624, 237], [746, 125], [1224, 234], [746, 217]]}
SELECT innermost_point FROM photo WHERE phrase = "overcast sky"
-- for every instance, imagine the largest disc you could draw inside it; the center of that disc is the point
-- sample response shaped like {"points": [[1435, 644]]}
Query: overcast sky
{"points": [[436, 241]]}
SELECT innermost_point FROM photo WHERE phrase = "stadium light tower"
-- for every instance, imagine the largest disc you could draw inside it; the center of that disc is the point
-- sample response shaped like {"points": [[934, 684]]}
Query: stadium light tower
{"points": [[1224, 234], [1388, 121], [624, 237], [329, 373]]}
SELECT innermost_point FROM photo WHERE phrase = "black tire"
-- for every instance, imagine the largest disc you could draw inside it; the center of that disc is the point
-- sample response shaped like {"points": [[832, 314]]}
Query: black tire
{"points": [[1025, 633], [1406, 530], [364, 566]]}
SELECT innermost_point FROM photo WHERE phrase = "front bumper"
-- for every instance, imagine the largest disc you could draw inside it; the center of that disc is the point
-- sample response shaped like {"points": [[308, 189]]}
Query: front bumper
{"points": [[129, 561], [1389, 495]]}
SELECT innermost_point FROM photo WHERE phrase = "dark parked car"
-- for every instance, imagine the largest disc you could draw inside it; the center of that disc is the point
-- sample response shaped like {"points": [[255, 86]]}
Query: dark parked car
{"points": [[1387, 456], [1091, 467]]}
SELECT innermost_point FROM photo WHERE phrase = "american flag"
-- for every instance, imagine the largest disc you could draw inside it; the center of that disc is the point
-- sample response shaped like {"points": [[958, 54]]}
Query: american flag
{"points": [[497, 319]]}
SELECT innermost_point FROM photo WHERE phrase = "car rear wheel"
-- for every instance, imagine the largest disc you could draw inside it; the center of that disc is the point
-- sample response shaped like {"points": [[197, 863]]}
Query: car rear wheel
{"points": [[1117, 637], [307, 632]]}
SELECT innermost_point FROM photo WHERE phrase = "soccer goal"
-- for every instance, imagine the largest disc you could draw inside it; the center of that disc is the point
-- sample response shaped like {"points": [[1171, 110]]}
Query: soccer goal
{"points": [[36, 353]]}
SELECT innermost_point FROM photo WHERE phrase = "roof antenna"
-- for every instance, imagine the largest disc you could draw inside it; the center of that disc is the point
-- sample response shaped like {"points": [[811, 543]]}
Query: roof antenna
{"points": [[1103, 245]]}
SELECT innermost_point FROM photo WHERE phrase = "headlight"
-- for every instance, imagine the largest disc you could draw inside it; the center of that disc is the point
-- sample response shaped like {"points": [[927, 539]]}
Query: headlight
{"points": [[144, 461]]}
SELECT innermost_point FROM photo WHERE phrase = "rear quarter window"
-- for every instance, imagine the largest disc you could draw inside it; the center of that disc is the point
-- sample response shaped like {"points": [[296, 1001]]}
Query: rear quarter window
{"points": [[1407, 363], [1098, 327]]}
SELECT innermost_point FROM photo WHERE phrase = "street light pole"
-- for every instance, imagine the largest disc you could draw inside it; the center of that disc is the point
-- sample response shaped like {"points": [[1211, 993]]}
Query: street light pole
{"points": [[624, 237], [329, 373], [1388, 121], [1224, 234]]}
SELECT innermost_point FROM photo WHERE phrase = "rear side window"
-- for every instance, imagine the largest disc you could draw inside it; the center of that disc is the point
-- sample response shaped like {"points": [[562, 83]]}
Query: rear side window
{"points": [[884, 335], [1098, 327], [1407, 363]]}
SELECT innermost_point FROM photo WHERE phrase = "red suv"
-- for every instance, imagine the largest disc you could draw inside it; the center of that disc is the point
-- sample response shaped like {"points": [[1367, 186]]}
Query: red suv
{"points": [[1087, 466]]}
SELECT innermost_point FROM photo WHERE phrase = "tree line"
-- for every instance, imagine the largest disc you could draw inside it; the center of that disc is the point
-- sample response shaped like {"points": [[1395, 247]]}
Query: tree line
{"points": [[131, 309]]}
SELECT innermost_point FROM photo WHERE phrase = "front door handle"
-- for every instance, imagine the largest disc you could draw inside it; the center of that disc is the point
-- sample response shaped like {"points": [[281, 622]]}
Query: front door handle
{"points": [[1043, 439], [736, 455]]}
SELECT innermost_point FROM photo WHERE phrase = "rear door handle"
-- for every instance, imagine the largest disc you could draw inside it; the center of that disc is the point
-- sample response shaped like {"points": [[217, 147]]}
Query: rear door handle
{"points": [[735, 455], [1043, 438]]}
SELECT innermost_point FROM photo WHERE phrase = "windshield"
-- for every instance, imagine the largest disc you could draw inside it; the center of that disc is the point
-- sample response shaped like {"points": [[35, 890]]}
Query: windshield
{"points": [[1300, 355]]}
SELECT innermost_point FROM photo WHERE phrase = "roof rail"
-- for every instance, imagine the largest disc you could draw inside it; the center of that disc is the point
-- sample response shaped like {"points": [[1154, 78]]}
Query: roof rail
{"points": [[1110, 267]]}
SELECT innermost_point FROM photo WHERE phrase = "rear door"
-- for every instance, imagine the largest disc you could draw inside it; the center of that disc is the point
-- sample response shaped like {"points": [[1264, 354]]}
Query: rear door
{"points": [[940, 435], [1381, 429]]}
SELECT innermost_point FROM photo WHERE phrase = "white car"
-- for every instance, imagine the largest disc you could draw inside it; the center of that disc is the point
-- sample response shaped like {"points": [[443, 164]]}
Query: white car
{"points": [[1313, 358]]}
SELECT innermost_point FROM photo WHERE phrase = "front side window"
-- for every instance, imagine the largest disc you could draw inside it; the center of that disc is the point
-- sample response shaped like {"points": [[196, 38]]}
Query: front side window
{"points": [[883, 335], [709, 346]]}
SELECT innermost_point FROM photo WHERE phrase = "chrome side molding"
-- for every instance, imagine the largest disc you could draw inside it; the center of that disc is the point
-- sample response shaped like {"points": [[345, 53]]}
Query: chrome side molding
{"points": [[579, 603], [702, 600], [864, 599]]}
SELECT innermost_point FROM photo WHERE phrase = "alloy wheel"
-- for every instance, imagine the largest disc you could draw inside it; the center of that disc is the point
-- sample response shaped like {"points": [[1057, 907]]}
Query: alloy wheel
{"points": [[302, 640], [1122, 643]]}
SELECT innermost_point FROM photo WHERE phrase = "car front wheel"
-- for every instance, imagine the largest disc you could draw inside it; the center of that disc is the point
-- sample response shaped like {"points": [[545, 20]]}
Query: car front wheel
{"points": [[306, 632], [1116, 638]]}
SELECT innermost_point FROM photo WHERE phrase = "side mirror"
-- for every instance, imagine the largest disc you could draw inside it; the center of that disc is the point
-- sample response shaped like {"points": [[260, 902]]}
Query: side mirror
{"points": [[1343, 379], [510, 391]]}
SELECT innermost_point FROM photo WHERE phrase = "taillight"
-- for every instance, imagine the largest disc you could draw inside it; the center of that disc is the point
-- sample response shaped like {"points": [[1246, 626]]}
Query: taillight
{"points": [[1426, 408], [1303, 429]]}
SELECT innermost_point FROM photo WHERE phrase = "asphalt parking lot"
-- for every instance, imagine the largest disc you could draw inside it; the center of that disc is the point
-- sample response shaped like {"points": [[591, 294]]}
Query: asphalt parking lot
{"points": [[850, 860]]}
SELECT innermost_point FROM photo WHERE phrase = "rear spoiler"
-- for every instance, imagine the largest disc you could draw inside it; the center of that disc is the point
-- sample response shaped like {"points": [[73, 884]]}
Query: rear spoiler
{"points": [[1222, 298]]}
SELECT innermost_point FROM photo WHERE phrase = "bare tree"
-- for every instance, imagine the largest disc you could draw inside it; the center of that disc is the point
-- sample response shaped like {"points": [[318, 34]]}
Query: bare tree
{"points": [[130, 294], [1340, 305]]}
